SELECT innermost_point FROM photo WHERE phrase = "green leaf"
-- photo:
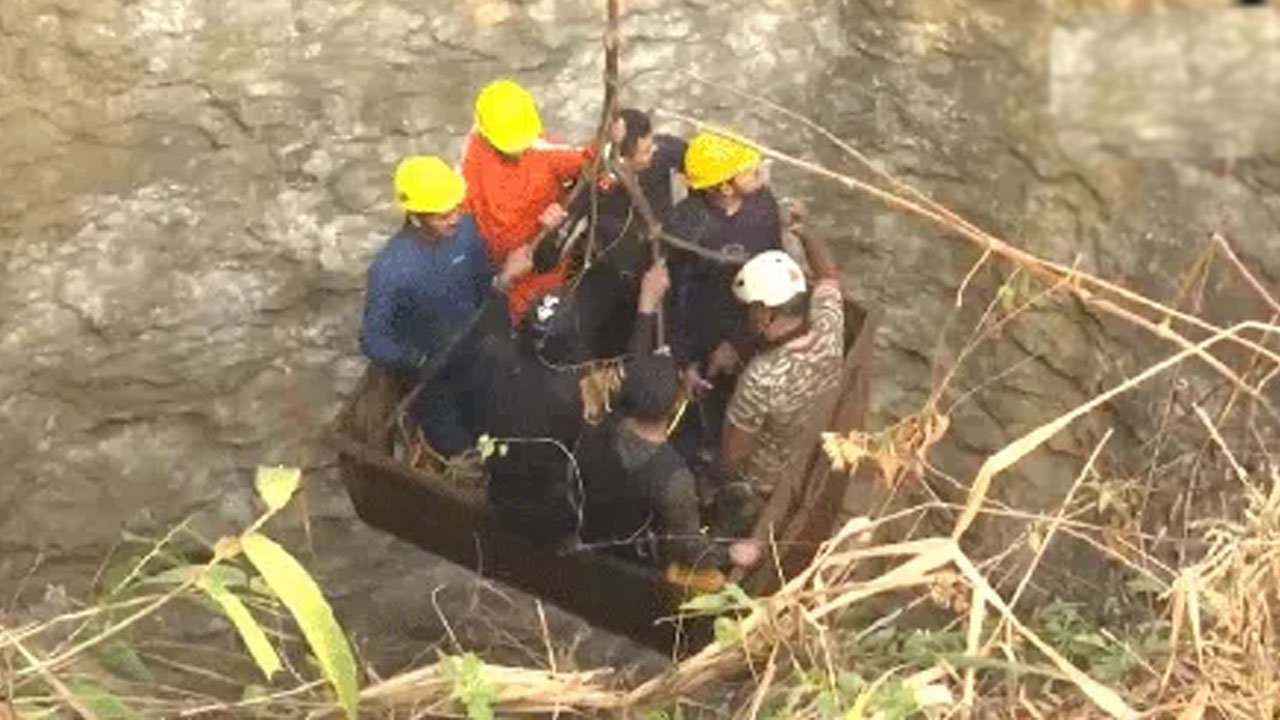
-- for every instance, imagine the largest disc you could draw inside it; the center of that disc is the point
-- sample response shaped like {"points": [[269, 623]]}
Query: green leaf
{"points": [[486, 446], [706, 603], [121, 661], [101, 703], [737, 595], [264, 654], [254, 693], [299, 592], [896, 701], [276, 485], [470, 686], [728, 632], [849, 684], [1007, 298], [732, 597], [1145, 585], [226, 575], [128, 565], [1092, 639], [827, 705]]}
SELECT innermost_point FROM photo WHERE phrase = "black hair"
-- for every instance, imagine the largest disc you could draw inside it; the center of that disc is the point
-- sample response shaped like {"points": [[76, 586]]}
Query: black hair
{"points": [[638, 126], [649, 388]]}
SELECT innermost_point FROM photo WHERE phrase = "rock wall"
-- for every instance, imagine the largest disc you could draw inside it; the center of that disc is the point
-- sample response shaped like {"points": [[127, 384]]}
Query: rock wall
{"points": [[193, 190]]}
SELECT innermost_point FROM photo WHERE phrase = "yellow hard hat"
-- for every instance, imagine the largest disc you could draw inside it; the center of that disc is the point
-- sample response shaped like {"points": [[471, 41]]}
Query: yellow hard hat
{"points": [[713, 158], [508, 116], [426, 184]]}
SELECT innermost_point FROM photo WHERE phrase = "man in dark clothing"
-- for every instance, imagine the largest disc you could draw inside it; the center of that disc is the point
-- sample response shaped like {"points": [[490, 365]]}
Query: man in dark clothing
{"points": [[610, 284], [525, 393], [424, 285], [731, 211], [639, 493], [654, 158]]}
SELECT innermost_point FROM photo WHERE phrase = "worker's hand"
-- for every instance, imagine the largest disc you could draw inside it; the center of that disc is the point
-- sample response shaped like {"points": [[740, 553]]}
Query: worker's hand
{"points": [[793, 216], [724, 361], [693, 381], [744, 553], [552, 216], [519, 262], [653, 287], [618, 130]]}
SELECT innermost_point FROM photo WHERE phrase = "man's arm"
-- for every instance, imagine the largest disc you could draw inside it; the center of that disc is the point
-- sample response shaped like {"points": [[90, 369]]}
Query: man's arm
{"points": [[566, 161], [642, 335], [821, 259], [653, 287], [743, 420], [518, 263], [682, 540]]}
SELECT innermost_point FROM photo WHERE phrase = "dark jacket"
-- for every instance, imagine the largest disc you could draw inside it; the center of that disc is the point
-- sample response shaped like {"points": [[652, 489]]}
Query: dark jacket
{"points": [[641, 499], [512, 395], [704, 310], [421, 296]]}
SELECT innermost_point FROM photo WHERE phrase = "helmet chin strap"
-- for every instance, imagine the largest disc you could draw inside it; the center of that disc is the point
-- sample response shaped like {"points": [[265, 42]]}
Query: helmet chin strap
{"points": [[798, 331]]}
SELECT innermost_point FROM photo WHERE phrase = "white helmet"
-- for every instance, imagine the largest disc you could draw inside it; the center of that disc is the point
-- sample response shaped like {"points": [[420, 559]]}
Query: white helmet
{"points": [[771, 278]]}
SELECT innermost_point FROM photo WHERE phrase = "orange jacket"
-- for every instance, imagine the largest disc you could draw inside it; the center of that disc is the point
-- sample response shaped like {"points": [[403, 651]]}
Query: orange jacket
{"points": [[506, 197]]}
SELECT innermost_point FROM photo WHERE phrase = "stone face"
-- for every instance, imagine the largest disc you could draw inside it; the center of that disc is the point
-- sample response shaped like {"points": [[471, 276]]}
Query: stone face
{"points": [[193, 190]]}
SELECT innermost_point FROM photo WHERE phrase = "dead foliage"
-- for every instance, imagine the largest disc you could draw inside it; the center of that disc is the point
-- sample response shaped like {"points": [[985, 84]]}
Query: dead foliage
{"points": [[599, 382], [897, 451]]}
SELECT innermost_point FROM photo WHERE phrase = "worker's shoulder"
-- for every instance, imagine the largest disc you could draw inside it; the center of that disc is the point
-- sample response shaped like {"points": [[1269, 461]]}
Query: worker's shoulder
{"points": [[670, 149], [468, 230], [394, 263], [759, 369], [692, 209], [549, 144], [395, 247], [670, 140], [828, 288], [762, 200]]}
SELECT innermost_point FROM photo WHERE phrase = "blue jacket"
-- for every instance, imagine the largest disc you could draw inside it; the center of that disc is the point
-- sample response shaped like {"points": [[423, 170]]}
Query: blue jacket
{"points": [[420, 292]]}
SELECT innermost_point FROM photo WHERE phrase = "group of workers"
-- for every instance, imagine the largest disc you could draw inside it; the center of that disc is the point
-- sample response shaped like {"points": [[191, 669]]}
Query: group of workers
{"points": [[504, 284]]}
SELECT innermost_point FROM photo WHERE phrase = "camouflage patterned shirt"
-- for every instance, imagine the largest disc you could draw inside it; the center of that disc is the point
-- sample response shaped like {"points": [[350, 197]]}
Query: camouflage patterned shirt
{"points": [[786, 388]]}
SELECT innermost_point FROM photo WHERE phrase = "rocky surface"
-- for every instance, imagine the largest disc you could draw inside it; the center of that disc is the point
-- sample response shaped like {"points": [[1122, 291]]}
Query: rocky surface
{"points": [[194, 188]]}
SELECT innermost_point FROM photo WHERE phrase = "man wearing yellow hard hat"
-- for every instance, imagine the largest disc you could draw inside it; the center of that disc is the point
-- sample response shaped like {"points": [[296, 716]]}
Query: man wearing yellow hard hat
{"points": [[729, 210], [424, 285], [516, 181]]}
